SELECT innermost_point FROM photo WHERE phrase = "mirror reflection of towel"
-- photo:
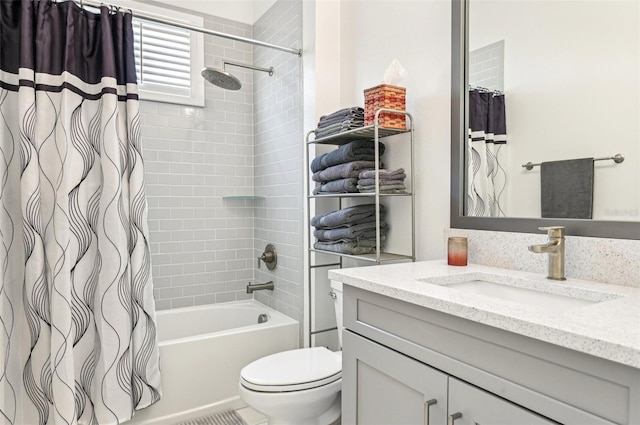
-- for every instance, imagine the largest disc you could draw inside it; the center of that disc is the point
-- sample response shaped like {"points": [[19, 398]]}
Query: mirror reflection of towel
{"points": [[567, 188]]}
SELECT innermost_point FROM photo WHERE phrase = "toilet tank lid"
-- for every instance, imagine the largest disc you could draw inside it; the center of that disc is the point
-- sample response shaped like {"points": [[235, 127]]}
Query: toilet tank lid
{"points": [[293, 367]]}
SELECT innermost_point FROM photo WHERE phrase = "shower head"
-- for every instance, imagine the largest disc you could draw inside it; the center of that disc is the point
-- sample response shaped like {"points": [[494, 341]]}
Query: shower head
{"points": [[223, 79]]}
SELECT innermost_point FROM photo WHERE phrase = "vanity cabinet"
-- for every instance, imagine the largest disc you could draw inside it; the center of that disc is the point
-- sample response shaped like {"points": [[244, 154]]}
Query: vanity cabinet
{"points": [[398, 356], [382, 387], [385, 387]]}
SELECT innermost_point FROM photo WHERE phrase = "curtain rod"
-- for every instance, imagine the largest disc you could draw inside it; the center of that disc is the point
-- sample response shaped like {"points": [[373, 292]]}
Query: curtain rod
{"points": [[189, 27]]}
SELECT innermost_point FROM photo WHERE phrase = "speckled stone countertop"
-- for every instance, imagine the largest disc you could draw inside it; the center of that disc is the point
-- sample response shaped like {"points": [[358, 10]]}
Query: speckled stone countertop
{"points": [[609, 328]]}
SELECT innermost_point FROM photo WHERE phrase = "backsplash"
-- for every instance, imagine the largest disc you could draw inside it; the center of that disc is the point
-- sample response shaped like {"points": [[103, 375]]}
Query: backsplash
{"points": [[615, 261]]}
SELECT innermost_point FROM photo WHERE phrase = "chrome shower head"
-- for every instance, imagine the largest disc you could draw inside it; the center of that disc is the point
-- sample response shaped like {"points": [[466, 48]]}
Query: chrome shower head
{"points": [[221, 78]]}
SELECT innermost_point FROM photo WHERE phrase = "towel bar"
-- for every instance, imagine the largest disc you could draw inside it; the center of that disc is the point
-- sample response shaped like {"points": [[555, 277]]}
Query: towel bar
{"points": [[617, 158]]}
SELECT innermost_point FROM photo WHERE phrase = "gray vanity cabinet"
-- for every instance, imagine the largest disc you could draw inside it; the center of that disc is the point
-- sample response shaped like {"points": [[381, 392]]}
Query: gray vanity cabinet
{"points": [[474, 406], [397, 356], [384, 387]]}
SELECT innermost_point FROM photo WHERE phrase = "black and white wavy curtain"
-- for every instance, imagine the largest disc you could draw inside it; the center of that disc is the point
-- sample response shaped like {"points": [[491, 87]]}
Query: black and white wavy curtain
{"points": [[486, 177], [78, 340]]}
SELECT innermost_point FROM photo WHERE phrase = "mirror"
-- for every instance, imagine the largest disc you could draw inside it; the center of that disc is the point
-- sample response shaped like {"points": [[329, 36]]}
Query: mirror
{"points": [[535, 60]]}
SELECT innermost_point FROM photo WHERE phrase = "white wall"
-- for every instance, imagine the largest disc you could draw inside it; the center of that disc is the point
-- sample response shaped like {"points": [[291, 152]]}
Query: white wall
{"points": [[569, 94]]}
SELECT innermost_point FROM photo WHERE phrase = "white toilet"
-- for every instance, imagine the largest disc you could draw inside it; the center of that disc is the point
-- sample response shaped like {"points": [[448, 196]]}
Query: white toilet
{"points": [[297, 387]]}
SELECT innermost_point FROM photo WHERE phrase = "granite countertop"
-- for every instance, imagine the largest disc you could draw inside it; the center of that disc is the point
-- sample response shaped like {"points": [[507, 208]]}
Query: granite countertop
{"points": [[609, 328]]}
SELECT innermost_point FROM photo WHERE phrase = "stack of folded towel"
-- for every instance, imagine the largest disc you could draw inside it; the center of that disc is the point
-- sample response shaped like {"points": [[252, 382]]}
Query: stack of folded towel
{"points": [[391, 181], [339, 121], [338, 170], [351, 230]]}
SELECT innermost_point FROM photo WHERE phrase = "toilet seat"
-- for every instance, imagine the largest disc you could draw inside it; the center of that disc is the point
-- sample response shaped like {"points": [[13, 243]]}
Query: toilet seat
{"points": [[293, 370]]}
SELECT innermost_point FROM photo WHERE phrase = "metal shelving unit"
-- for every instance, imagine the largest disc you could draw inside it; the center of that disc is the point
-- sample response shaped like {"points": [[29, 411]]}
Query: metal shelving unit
{"points": [[372, 132]]}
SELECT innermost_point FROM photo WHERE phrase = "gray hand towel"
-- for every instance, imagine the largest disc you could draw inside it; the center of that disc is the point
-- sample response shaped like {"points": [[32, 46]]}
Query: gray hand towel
{"points": [[360, 230], [567, 188], [345, 112], [337, 186], [332, 120], [384, 188], [382, 182], [362, 246], [357, 150], [338, 128], [345, 216], [398, 174], [342, 171]]}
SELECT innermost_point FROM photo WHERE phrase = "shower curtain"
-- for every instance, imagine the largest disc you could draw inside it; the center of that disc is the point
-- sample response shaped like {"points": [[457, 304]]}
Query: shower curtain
{"points": [[486, 176], [78, 340]]}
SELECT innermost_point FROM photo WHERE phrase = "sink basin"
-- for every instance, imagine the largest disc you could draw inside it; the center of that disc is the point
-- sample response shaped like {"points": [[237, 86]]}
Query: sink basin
{"points": [[534, 293]]}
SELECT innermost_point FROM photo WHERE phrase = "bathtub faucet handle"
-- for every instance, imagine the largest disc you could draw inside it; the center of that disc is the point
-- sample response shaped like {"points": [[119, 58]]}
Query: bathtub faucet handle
{"points": [[269, 257]]}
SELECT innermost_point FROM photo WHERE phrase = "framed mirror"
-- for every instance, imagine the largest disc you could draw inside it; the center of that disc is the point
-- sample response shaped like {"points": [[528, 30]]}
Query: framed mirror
{"points": [[619, 218]]}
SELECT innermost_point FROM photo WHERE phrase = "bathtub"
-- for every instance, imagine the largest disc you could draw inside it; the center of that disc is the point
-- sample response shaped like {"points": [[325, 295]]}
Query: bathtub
{"points": [[203, 349]]}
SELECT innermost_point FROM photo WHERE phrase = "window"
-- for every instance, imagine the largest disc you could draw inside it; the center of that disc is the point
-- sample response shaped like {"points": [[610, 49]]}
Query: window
{"points": [[168, 59]]}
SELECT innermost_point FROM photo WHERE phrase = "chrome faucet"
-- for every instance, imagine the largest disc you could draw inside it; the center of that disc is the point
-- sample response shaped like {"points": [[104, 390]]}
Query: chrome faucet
{"points": [[259, 287], [555, 248]]}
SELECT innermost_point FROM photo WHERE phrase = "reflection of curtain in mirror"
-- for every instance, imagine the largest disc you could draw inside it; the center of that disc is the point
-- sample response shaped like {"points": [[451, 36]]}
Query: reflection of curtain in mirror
{"points": [[486, 177]]}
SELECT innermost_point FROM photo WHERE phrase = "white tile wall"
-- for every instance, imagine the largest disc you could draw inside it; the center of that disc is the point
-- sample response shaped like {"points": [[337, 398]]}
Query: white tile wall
{"points": [[202, 245], [279, 146], [204, 248], [486, 66]]}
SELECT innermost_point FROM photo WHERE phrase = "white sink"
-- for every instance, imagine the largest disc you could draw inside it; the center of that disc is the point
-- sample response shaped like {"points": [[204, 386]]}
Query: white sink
{"points": [[547, 295]]}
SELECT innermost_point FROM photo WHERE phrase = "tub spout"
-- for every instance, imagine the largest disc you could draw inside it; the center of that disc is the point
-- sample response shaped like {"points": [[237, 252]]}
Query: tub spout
{"points": [[259, 287]]}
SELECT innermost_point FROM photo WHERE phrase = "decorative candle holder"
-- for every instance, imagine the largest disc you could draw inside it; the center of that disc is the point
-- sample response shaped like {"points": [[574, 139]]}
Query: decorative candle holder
{"points": [[457, 251]]}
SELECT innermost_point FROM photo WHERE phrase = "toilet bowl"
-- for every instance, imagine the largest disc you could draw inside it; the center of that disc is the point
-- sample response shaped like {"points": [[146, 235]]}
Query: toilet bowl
{"points": [[297, 387]]}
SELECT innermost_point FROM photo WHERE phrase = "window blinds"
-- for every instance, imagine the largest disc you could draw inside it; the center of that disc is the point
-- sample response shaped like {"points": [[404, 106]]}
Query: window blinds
{"points": [[163, 57]]}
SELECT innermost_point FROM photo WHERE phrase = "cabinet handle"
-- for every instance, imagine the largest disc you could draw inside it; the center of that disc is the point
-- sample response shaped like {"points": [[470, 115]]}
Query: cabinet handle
{"points": [[427, 405], [453, 417]]}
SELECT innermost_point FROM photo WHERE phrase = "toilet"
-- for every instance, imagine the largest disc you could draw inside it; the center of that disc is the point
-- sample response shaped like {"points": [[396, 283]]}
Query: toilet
{"points": [[297, 387]]}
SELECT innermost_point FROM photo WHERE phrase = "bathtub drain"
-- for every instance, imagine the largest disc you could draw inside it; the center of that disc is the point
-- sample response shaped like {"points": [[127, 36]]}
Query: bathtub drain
{"points": [[262, 318]]}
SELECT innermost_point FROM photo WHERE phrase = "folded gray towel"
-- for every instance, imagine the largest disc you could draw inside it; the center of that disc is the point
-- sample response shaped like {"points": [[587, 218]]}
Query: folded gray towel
{"points": [[383, 182], [338, 128], [384, 188], [353, 110], [369, 219], [363, 246], [342, 171], [345, 216], [337, 186], [357, 231], [329, 121], [357, 150], [384, 174], [385, 191]]}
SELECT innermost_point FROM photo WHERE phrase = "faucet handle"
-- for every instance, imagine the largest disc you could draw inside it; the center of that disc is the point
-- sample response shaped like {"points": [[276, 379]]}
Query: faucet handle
{"points": [[554, 231]]}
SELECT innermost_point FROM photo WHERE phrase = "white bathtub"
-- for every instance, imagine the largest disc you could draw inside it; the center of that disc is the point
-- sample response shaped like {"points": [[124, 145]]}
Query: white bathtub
{"points": [[203, 349]]}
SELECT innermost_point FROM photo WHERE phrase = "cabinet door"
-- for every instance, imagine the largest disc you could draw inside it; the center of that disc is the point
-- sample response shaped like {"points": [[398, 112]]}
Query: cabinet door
{"points": [[469, 405], [383, 387]]}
